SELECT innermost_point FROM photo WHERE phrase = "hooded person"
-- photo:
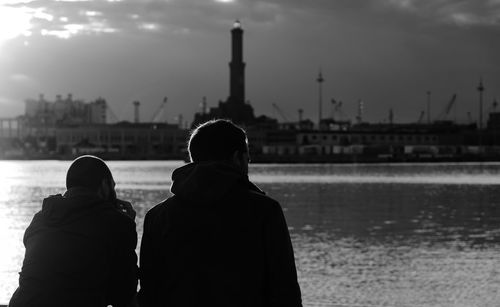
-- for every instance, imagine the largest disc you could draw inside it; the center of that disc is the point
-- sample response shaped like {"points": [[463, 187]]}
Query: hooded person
{"points": [[80, 248], [219, 240]]}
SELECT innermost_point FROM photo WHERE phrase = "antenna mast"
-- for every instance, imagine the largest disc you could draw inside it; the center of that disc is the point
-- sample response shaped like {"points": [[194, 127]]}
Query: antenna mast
{"points": [[428, 107], [480, 88], [320, 81]]}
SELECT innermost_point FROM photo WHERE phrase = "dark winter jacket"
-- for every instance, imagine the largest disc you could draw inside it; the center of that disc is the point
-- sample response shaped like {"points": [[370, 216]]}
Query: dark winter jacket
{"points": [[219, 241], [80, 251]]}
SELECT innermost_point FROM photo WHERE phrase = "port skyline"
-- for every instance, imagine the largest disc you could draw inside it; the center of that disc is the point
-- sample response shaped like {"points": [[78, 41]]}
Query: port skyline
{"points": [[391, 71]]}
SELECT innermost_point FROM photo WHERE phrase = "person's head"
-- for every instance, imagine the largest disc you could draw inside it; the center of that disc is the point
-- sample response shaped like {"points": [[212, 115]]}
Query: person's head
{"points": [[92, 173], [219, 140]]}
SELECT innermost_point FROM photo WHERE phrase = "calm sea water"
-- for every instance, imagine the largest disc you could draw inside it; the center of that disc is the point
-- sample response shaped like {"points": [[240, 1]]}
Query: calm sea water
{"points": [[364, 235]]}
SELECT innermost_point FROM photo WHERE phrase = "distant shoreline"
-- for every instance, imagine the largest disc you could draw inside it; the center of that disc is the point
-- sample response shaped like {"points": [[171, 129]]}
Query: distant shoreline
{"points": [[295, 160]]}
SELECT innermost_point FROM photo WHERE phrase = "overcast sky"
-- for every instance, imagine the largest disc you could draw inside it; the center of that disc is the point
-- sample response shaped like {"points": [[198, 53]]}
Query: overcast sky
{"points": [[388, 53]]}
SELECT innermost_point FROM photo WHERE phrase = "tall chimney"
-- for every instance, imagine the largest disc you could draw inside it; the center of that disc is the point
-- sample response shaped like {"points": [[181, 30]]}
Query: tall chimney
{"points": [[204, 105], [136, 111], [180, 121]]}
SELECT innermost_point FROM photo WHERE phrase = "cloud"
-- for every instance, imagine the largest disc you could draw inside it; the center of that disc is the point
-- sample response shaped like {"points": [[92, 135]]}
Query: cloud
{"points": [[458, 12], [20, 78], [69, 18]]}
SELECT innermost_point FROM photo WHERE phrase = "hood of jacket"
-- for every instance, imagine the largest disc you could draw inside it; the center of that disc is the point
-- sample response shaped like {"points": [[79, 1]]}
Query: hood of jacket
{"points": [[76, 202], [208, 182]]}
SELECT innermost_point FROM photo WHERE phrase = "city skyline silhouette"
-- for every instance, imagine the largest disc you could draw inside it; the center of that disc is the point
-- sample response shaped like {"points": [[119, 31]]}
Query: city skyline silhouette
{"points": [[388, 54]]}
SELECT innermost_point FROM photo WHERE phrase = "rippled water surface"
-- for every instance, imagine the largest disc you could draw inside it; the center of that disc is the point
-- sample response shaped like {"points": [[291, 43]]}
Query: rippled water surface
{"points": [[364, 235]]}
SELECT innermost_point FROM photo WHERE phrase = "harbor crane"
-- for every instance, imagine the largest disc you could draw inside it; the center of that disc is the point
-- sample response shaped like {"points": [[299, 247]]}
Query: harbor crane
{"points": [[111, 115], [493, 107], [421, 117], [444, 114], [337, 110], [278, 110], [160, 112]]}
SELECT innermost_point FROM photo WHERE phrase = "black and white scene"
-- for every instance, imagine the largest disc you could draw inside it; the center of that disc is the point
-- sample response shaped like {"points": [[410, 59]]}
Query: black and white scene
{"points": [[320, 153]]}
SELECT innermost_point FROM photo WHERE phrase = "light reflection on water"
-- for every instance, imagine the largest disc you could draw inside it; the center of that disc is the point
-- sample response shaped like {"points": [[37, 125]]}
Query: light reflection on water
{"points": [[364, 235], [395, 245]]}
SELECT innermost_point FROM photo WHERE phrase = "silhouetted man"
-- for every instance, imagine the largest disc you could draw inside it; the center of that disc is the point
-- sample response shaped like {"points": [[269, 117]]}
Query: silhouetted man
{"points": [[219, 241], [80, 248]]}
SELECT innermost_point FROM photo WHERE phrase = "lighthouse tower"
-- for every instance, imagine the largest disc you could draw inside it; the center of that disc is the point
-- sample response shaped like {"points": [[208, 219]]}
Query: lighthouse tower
{"points": [[237, 66], [235, 107]]}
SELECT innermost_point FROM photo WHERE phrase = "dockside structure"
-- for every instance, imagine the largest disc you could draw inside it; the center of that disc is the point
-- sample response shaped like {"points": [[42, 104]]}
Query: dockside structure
{"points": [[379, 143], [139, 141]]}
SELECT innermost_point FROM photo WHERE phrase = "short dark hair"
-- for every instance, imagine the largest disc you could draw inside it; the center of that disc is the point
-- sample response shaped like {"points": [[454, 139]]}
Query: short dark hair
{"points": [[216, 140], [87, 171]]}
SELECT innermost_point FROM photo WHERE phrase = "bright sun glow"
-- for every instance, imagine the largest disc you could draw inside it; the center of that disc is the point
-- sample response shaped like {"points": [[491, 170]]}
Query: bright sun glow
{"points": [[14, 22], [21, 21]]}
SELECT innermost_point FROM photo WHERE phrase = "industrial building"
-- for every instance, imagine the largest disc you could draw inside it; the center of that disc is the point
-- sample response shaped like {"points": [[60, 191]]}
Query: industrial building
{"points": [[65, 111]]}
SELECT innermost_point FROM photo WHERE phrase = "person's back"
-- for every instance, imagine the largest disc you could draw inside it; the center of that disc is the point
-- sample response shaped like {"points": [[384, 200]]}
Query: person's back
{"points": [[79, 252], [219, 241]]}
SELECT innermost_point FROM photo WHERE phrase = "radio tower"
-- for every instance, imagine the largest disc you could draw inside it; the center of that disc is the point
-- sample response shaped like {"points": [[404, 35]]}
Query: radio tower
{"points": [[320, 81], [480, 89], [428, 107]]}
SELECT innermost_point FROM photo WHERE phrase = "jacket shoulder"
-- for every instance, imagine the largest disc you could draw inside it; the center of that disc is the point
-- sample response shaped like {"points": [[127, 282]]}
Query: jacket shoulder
{"points": [[263, 202], [119, 221], [161, 206], [159, 210], [261, 198]]}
